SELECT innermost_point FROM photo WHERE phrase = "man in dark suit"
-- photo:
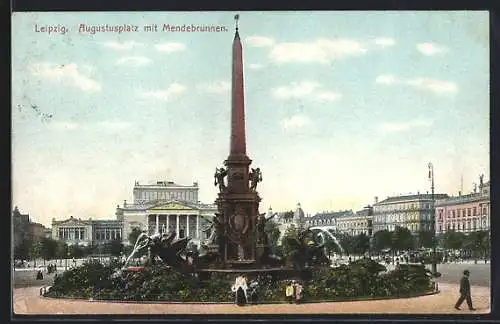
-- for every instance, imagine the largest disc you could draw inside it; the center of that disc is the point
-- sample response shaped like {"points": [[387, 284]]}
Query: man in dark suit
{"points": [[465, 292]]}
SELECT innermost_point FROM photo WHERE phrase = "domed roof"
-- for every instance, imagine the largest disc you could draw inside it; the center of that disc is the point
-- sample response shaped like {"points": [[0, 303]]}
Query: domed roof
{"points": [[299, 213], [269, 212]]}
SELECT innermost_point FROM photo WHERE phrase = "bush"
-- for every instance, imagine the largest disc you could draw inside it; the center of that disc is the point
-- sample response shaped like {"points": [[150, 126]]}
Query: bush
{"points": [[362, 278]]}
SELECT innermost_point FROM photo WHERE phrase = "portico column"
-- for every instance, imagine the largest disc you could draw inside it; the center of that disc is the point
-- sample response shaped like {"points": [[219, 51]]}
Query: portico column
{"points": [[187, 225], [157, 223], [177, 227], [168, 221], [197, 226]]}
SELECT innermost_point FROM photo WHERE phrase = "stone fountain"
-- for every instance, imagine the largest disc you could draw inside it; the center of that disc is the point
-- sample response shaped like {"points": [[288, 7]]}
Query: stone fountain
{"points": [[238, 242]]}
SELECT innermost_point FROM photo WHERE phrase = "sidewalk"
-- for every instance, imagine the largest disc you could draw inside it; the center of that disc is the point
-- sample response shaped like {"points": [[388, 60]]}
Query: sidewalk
{"points": [[28, 301]]}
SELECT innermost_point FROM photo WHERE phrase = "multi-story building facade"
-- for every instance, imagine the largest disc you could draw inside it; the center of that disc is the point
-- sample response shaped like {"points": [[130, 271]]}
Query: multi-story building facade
{"points": [[329, 220], [347, 221], [166, 207], [285, 220], [413, 212], [165, 191], [21, 226], [76, 231], [360, 222], [464, 213]]}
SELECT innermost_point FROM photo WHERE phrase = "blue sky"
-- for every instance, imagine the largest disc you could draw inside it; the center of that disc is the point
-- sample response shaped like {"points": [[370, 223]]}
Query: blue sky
{"points": [[341, 106]]}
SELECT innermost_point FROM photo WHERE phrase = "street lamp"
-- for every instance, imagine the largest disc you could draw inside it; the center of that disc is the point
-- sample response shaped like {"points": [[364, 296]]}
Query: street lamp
{"points": [[433, 219]]}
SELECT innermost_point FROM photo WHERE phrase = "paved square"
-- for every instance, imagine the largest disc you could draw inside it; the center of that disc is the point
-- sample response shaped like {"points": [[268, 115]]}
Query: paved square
{"points": [[28, 301]]}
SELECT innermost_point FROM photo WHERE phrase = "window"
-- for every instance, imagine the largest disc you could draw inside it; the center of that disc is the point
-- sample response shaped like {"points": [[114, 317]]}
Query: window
{"points": [[453, 214], [469, 212], [440, 228], [449, 213], [475, 211], [484, 211]]}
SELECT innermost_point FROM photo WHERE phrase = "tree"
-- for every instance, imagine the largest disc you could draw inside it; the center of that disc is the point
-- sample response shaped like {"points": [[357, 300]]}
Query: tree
{"points": [[477, 243], [76, 251], [35, 251], [425, 239], [361, 243], [23, 250], [453, 240], [348, 243], [402, 239], [382, 240], [62, 250], [291, 232], [134, 234], [273, 232], [115, 247], [49, 248]]}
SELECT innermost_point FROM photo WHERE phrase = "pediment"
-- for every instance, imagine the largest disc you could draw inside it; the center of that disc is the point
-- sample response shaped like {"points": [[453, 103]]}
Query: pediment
{"points": [[73, 222], [172, 206]]}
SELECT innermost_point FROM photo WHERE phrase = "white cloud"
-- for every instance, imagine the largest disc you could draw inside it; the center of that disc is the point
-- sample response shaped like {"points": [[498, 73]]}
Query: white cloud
{"points": [[172, 90], [217, 87], [430, 49], [122, 46], [64, 126], [134, 61], [256, 66], [295, 122], [67, 74], [400, 127], [433, 85], [386, 79], [170, 47], [385, 41], [328, 96], [295, 90], [259, 41], [111, 126], [320, 51]]}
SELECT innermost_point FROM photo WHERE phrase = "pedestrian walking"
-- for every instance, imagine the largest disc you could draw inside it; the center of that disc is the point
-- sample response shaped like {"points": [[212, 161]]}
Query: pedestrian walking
{"points": [[465, 293]]}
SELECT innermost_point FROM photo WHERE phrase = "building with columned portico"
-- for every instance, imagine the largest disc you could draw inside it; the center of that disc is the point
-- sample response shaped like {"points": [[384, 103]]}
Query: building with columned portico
{"points": [[164, 207], [86, 232]]}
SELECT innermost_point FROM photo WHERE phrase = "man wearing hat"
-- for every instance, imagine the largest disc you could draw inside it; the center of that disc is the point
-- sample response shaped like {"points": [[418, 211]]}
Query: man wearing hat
{"points": [[465, 292]]}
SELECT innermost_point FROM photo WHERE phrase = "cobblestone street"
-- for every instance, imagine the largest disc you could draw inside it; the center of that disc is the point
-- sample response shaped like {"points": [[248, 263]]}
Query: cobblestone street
{"points": [[28, 301]]}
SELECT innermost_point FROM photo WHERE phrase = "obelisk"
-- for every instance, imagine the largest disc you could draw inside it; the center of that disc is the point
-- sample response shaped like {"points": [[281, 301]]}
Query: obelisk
{"points": [[238, 204]]}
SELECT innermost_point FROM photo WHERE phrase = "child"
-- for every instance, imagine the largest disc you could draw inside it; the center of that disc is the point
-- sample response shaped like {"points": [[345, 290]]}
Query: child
{"points": [[298, 292]]}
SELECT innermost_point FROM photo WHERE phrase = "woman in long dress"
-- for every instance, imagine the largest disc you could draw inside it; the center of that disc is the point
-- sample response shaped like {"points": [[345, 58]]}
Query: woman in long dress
{"points": [[240, 288]]}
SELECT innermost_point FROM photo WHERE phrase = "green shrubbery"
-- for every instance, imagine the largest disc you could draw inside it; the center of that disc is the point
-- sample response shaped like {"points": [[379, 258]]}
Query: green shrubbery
{"points": [[362, 278]]}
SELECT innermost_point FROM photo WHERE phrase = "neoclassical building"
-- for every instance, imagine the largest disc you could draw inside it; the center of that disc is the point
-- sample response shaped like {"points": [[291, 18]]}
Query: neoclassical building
{"points": [[464, 213], [86, 232], [413, 212], [164, 207]]}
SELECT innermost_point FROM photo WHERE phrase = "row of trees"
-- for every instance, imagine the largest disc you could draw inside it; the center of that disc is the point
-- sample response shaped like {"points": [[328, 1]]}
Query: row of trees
{"points": [[476, 244], [49, 249]]}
